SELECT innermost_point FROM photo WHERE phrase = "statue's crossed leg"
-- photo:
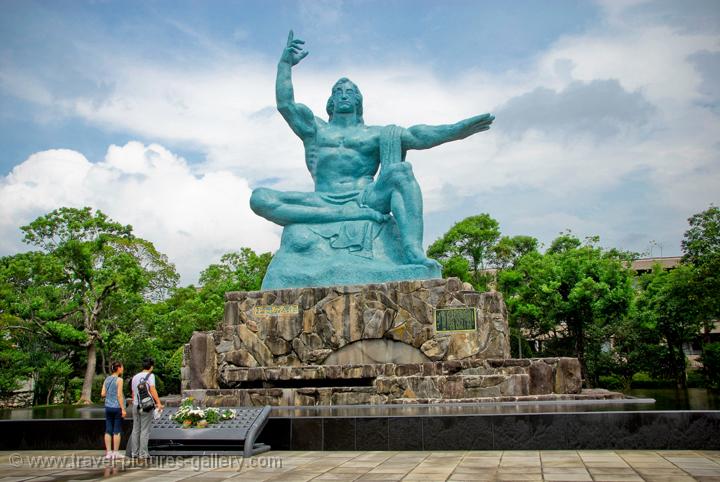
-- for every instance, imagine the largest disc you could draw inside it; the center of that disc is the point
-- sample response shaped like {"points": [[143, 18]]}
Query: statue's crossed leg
{"points": [[395, 191]]}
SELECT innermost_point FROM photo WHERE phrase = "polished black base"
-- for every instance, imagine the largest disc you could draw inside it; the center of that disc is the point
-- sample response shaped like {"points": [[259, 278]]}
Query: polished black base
{"points": [[525, 431], [327, 430], [58, 434]]}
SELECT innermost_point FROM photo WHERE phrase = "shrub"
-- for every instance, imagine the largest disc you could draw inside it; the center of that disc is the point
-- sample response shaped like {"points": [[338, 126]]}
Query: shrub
{"points": [[611, 382], [644, 380], [172, 371], [74, 389], [696, 379], [711, 362]]}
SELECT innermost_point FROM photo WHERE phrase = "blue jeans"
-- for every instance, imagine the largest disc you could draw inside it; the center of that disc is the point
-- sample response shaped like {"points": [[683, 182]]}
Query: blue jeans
{"points": [[113, 420]]}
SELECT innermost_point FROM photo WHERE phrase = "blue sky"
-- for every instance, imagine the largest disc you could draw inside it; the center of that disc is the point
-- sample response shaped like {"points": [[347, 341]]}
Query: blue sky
{"points": [[161, 113], [47, 40]]}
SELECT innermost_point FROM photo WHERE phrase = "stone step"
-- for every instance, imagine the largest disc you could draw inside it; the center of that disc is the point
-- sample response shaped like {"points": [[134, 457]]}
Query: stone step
{"points": [[231, 373], [541, 375], [329, 396], [468, 379], [454, 386], [287, 396], [588, 394]]}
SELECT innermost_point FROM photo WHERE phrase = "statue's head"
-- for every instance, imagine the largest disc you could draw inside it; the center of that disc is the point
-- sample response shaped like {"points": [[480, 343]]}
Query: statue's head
{"points": [[345, 98]]}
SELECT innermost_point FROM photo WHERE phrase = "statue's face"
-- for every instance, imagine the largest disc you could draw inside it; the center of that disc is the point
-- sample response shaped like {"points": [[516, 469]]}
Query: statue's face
{"points": [[345, 98]]}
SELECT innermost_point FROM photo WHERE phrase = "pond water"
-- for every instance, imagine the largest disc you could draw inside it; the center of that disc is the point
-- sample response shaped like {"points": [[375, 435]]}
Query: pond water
{"points": [[674, 399], [54, 412], [665, 399]]}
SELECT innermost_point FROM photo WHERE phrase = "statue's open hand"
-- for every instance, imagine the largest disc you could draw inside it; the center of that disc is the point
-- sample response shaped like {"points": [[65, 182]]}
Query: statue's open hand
{"points": [[293, 52], [479, 123], [352, 211], [374, 215]]}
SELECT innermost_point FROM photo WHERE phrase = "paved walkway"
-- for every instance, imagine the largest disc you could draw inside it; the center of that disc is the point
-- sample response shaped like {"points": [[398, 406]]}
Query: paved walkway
{"points": [[565, 465]]}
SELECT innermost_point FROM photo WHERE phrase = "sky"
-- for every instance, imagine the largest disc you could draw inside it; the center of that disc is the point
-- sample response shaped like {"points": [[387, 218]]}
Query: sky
{"points": [[161, 113]]}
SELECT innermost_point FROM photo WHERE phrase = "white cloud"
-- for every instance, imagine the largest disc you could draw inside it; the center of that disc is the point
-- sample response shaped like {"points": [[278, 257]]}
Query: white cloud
{"points": [[193, 219]]}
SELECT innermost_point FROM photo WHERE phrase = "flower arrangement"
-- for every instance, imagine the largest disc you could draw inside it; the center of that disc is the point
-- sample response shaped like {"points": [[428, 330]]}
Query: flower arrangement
{"points": [[190, 416]]}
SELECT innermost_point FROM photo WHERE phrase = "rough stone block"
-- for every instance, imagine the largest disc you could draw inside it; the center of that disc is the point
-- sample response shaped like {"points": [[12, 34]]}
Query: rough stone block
{"points": [[568, 376], [541, 378], [203, 361], [240, 358]]}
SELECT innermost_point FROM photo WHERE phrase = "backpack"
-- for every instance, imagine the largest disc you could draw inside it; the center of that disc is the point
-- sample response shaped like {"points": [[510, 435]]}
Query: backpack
{"points": [[145, 400]]}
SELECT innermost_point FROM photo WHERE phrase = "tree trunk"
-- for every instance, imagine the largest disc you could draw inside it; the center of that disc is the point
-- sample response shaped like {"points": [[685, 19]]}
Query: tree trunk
{"points": [[66, 392], [103, 363], [680, 369], [707, 327], [86, 394], [36, 393], [676, 359], [580, 350]]}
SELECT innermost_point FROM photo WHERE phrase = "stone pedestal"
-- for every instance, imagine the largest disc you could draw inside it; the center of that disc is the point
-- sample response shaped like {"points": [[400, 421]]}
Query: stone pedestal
{"points": [[462, 381], [396, 342]]}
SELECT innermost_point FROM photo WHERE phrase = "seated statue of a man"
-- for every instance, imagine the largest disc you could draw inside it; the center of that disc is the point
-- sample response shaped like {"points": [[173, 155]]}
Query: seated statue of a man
{"points": [[344, 156]]}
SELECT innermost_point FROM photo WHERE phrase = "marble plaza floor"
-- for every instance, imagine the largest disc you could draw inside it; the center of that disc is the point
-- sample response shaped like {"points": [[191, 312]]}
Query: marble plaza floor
{"points": [[565, 465]]}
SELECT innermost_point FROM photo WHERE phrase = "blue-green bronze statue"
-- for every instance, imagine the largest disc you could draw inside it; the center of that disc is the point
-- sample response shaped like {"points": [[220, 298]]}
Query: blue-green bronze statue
{"points": [[355, 228]]}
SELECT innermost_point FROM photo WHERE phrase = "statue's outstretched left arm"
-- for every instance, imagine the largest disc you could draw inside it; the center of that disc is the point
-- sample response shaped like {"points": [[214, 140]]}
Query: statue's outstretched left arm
{"points": [[425, 137]]}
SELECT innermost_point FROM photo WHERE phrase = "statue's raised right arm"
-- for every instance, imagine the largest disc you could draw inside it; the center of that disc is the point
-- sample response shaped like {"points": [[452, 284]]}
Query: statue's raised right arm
{"points": [[298, 116]]}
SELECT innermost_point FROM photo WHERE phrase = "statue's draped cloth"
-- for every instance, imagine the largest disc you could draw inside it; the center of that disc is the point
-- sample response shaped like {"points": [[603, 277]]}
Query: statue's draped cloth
{"points": [[357, 236]]}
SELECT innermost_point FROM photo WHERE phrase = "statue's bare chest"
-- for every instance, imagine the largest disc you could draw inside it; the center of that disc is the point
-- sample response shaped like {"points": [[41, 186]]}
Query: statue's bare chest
{"points": [[364, 141]]}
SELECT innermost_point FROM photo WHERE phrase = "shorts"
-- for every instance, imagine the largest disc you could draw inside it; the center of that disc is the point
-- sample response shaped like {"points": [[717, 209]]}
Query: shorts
{"points": [[113, 420]]}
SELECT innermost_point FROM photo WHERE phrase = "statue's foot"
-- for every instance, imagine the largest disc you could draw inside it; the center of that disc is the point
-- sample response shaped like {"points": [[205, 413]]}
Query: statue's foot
{"points": [[417, 256]]}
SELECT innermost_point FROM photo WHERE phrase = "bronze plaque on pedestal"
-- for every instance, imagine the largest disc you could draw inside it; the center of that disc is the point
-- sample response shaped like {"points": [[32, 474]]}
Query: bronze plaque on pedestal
{"points": [[269, 310], [455, 319]]}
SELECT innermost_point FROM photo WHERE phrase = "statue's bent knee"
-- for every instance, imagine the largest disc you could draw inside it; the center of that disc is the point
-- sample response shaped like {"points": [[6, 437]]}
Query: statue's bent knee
{"points": [[262, 201], [400, 173]]}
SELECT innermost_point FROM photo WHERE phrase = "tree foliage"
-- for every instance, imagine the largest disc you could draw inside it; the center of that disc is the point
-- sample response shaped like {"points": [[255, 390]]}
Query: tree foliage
{"points": [[93, 289], [711, 363], [88, 271], [471, 239], [509, 249], [701, 243], [15, 363], [701, 249], [161, 329], [575, 292], [669, 305]]}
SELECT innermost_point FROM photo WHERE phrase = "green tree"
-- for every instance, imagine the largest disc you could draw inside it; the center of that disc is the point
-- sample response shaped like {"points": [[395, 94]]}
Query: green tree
{"points": [[564, 243], [701, 248], [15, 363], [87, 265], [472, 239], [711, 362], [701, 243], [35, 312], [668, 304], [161, 329], [51, 376], [457, 267], [509, 250], [237, 271], [572, 293]]}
